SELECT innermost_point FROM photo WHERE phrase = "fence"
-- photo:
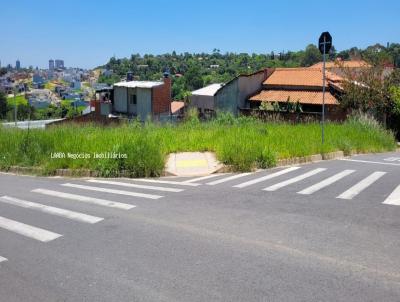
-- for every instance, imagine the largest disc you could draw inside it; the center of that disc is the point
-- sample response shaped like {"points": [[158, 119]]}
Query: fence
{"points": [[293, 117]]}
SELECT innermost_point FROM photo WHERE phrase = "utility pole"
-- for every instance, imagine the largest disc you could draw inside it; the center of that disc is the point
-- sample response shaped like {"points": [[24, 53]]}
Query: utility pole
{"points": [[323, 92], [15, 108], [324, 45]]}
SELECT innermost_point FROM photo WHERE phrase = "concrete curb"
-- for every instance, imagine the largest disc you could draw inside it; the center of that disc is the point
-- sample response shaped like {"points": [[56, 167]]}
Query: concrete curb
{"points": [[295, 160]]}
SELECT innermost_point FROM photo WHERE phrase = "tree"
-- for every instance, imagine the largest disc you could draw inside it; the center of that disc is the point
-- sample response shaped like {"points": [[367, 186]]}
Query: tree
{"points": [[369, 91], [3, 105], [311, 56], [377, 55], [3, 71], [197, 72], [332, 53], [193, 79], [395, 96]]}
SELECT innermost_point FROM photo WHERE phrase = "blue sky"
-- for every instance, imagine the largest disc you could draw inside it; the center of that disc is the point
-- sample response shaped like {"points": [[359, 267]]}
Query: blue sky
{"points": [[87, 33]]}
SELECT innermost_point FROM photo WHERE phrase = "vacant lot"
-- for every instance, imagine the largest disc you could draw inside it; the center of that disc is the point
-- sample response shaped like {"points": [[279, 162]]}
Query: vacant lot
{"points": [[243, 143]]}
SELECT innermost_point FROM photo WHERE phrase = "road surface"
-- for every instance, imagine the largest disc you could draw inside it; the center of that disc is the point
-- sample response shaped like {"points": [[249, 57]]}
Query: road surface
{"points": [[327, 231]]}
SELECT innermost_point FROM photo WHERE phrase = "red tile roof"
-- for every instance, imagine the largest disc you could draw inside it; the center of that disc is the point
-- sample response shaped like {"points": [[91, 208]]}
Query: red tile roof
{"points": [[344, 64], [303, 96], [176, 106], [304, 77]]}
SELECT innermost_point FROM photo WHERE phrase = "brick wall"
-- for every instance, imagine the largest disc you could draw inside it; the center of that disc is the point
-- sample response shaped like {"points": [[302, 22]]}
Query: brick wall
{"points": [[162, 97]]}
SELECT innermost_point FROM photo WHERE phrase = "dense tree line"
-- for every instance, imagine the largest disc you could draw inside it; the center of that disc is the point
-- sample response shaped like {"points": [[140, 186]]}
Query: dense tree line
{"points": [[193, 71]]}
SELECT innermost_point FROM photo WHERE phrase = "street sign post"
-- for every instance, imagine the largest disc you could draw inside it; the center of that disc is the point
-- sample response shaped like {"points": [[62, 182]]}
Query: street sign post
{"points": [[324, 45]]}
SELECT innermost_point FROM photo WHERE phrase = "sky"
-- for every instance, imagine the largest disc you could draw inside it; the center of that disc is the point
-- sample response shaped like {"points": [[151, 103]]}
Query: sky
{"points": [[86, 33]]}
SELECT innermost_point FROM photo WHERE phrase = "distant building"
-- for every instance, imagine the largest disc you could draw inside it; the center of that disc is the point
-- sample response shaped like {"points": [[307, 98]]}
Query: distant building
{"points": [[17, 65], [302, 85], [51, 64], [204, 98], [341, 67], [59, 64], [177, 108], [136, 99], [106, 72], [39, 103], [228, 97], [76, 84], [38, 80], [142, 98]]}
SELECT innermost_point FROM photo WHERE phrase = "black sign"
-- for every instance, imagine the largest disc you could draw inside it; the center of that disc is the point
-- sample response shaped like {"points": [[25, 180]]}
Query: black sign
{"points": [[326, 39]]}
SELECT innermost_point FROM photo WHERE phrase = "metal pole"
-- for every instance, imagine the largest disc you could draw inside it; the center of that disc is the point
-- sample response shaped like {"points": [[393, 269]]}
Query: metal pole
{"points": [[15, 108], [323, 93]]}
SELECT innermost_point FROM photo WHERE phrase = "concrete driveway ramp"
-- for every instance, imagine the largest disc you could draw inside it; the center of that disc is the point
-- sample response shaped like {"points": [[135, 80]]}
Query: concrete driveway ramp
{"points": [[192, 164]]}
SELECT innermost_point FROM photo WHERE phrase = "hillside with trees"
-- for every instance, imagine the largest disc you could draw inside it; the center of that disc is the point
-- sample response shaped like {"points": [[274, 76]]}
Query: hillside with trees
{"points": [[193, 71]]}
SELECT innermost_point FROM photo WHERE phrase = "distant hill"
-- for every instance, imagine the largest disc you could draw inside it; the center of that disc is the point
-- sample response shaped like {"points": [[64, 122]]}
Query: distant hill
{"points": [[194, 70]]}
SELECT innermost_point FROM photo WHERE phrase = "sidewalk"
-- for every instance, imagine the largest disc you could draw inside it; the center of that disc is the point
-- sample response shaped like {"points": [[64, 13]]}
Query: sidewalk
{"points": [[192, 164]]}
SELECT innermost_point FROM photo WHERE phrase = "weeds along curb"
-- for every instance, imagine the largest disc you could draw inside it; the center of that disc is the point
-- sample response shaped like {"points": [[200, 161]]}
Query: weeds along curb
{"points": [[126, 174], [295, 160]]}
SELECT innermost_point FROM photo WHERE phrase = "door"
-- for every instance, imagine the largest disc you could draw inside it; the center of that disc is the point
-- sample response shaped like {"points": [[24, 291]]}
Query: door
{"points": [[132, 105]]}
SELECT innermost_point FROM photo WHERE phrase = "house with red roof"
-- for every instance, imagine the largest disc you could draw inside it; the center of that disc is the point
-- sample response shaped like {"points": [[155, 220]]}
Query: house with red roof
{"points": [[300, 85], [343, 68]]}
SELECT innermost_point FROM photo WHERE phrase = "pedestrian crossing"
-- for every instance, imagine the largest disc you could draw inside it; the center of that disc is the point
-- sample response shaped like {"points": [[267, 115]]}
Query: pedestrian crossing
{"points": [[27, 230], [51, 210], [257, 178], [307, 182], [132, 185], [112, 191], [85, 199], [266, 177], [294, 179], [326, 182], [220, 181], [392, 159], [394, 197], [201, 178], [361, 186], [135, 189]]}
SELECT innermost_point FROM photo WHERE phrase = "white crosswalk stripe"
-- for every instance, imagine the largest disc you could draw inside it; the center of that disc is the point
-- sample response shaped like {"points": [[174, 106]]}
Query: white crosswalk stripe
{"points": [[86, 199], [132, 185], [2, 259], [112, 191], [294, 179], [360, 186], [392, 159], [369, 162], [394, 197], [27, 230], [170, 182], [229, 178], [201, 178], [266, 177], [51, 210], [326, 182]]}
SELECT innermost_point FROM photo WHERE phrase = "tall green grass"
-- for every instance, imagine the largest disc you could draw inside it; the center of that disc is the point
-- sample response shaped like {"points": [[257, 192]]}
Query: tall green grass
{"points": [[244, 143]]}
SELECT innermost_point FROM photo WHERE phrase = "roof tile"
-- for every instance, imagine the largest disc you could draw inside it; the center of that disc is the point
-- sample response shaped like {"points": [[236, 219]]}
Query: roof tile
{"points": [[304, 77], [303, 96]]}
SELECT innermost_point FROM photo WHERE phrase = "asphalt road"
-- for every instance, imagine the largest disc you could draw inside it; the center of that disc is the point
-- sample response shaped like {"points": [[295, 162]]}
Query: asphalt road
{"points": [[327, 231]]}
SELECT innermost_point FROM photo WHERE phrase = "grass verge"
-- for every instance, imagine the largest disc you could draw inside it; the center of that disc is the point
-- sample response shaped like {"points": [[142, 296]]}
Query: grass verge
{"points": [[244, 143]]}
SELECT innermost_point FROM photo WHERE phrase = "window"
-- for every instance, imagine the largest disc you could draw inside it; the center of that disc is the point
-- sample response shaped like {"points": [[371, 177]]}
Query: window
{"points": [[132, 99]]}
